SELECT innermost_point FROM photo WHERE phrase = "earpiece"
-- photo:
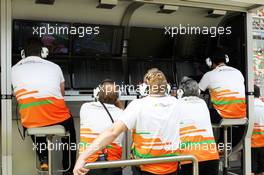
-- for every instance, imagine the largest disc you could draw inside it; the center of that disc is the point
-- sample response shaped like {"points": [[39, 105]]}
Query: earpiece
{"points": [[227, 58], [180, 93], [143, 89], [22, 53], [96, 93], [168, 90], [209, 62], [44, 52]]}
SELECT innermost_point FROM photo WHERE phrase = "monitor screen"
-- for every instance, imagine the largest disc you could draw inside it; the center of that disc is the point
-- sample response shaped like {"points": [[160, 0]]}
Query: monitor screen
{"points": [[150, 43], [51, 33], [137, 70], [106, 41], [192, 47], [89, 73], [190, 69]]}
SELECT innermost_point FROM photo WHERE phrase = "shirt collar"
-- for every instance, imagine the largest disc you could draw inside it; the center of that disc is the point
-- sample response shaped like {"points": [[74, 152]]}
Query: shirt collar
{"points": [[220, 65], [190, 98], [28, 59], [106, 104], [33, 58]]}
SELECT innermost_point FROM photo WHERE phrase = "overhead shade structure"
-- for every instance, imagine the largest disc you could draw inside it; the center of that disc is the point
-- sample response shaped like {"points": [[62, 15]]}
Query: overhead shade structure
{"points": [[232, 5], [47, 2]]}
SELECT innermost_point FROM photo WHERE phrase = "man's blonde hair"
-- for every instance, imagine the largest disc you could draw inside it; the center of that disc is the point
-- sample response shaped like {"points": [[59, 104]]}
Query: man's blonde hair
{"points": [[156, 80]]}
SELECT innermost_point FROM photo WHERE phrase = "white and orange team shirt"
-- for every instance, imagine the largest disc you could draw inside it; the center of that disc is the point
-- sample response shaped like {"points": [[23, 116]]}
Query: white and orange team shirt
{"points": [[93, 121], [196, 132], [154, 122], [227, 91], [36, 83], [258, 131]]}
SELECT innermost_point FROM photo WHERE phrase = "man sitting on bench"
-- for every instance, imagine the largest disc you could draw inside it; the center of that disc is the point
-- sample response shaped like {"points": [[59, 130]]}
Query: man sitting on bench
{"points": [[226, 87], [39, 88]]}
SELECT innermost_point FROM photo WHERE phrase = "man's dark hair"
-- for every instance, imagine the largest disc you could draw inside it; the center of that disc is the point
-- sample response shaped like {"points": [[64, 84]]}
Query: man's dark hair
{"points": [[189, 86], [33, 46], [218, 56], [108, 92], [256, 91]]}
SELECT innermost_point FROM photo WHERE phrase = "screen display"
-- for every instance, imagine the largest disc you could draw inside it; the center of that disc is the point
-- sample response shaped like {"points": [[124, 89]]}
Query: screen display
{"points": [[101, 40], [88, 74], [137, 70], [150, 43], [190, 69], [52, 35]]}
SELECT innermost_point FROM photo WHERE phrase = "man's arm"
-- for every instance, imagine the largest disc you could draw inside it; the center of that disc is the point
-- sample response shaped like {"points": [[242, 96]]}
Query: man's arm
{"points": [[204, 83], [101, 142], [62, 87]]}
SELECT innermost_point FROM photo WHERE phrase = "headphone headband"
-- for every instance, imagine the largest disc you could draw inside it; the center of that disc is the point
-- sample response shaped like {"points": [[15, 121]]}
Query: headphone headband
{"points": [[209, 61], [44, 53]]}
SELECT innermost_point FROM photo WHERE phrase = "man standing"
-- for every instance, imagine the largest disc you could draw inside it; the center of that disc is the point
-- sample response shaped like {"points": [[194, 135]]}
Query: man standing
{"points": [[154, 121], [257, 151], [96, 117], [196, 132], [226, 87], [39, 88]]}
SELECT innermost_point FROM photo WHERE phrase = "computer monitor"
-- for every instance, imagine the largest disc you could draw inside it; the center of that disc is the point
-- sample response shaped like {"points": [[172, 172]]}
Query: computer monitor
{"points": [[188, 68], [89, 73], [150, 43], [138, 68], [106, 41], [51, 34]]}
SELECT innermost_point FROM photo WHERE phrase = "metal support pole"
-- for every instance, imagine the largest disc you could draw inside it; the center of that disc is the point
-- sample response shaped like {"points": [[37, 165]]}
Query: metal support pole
{"points": [[122, 163], [250, 97], [6, 102]]}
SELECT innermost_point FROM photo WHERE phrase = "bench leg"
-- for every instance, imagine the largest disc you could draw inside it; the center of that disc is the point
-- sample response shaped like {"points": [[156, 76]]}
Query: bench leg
{"points": [[49, 141], [225, 151]]}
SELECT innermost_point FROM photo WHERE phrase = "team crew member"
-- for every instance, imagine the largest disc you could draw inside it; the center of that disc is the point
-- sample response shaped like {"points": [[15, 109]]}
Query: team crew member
{"points": [[196, 130], [258, 135], [97, 117], [152, 120], [39, 87], [226, 87]]}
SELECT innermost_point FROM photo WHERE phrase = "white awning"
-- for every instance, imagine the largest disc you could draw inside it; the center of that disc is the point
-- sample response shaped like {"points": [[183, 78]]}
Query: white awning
{"points": [[230, 5]]}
